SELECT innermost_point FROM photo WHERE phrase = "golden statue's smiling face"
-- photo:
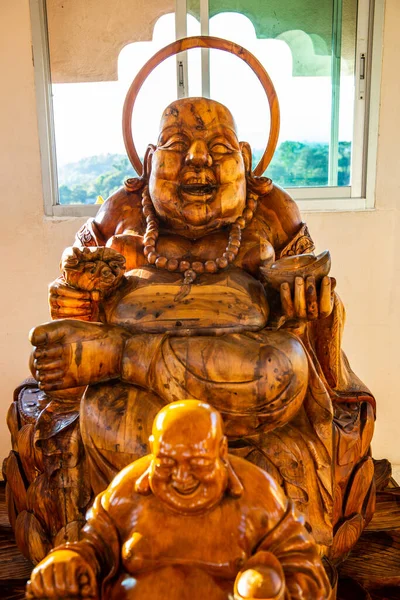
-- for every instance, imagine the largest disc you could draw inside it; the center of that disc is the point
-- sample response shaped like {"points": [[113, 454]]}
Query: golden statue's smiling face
{"points": [[197, 179], [188, 472]]}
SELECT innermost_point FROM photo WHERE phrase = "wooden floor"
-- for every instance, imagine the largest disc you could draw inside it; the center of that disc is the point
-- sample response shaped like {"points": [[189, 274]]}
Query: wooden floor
{"points": [[14, 568], [378, 548]]}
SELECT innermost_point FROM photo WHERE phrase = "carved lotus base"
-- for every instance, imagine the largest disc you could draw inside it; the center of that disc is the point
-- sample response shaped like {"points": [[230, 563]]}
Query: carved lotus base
{"points": [[371, 572], [368, 574]]}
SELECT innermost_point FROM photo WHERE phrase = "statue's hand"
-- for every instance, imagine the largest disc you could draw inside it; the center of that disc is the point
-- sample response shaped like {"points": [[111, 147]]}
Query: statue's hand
{"points": [[63, 574], [67, 302], [307, 303], [70, 353], [262, 578]]}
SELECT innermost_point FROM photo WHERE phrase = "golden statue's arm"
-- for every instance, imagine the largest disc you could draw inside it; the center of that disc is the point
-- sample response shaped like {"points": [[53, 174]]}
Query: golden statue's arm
{"points": [[74, 569], [297, 555]]}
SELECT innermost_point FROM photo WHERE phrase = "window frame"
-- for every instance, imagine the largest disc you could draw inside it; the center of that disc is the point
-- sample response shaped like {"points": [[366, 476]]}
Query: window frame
{"points": [[359, 196]]}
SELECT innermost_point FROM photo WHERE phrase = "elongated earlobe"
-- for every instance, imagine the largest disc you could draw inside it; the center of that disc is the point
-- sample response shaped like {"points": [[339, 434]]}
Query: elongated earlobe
{"points": [[234, 488], [247, 157], [142, 485], [147, 161], [223, 448]]}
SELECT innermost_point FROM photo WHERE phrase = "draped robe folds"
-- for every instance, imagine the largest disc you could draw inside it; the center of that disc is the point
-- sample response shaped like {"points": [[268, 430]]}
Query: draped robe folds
{"points": [[160, 368], [133, 562]]}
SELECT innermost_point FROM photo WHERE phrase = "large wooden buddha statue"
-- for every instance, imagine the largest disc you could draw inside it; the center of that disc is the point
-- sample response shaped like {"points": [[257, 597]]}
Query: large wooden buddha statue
{"points": [[199, 314]]}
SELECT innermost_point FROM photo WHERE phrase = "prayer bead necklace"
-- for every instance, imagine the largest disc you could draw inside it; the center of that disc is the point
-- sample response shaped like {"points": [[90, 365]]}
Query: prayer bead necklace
{"points": [[191, 269]]}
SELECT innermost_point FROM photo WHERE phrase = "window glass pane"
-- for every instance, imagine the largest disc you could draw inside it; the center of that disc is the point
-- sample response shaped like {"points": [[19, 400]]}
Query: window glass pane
{"points": [[95, 52], [308, 48], [347, 90]]}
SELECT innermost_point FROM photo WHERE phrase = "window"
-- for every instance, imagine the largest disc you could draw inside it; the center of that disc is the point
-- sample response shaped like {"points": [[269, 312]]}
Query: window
{"points": [[319, 54]]}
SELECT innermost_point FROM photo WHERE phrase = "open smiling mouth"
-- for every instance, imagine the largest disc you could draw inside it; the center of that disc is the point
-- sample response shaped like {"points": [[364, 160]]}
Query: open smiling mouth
{"points": [[197, 189], [186, 491]]}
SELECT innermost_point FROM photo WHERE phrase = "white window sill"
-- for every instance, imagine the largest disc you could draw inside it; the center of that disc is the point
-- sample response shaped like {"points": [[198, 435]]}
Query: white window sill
{"points": [[306, 205]]}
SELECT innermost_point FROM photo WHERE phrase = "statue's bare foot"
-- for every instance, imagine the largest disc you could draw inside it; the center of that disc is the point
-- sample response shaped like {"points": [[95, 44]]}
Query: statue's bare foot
{"points": [[70, 353]]}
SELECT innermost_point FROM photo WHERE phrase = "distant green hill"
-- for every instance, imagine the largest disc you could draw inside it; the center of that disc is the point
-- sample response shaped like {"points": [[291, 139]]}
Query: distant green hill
{"points": [[298, 164], [87, 169], [81, 182]]}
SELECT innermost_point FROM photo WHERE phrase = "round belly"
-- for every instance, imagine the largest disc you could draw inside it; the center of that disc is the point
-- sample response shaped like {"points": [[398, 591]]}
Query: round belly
{"points": [[172, 583], [257, 380], [228, 301]]}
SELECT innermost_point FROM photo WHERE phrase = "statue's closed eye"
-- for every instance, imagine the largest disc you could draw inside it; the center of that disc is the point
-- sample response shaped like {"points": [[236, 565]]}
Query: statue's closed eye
{"points": [[201, 462], [220, 149], [177, 143], [221, 145]]}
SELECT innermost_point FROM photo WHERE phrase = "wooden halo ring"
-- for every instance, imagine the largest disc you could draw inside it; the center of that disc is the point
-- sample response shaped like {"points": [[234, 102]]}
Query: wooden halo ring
{"points": [[202, 42]]}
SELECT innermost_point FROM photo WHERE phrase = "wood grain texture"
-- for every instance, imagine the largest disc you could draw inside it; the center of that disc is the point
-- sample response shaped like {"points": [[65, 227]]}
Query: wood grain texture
{"points": [[375, 562], [387, 513], [12, 583], [203, 497], [14, 568], [171, 300]]}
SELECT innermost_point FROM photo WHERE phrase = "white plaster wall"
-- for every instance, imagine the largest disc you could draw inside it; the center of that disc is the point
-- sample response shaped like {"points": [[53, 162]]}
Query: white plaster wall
{"points": [[31, 244], [363, 244], [86, 37]]}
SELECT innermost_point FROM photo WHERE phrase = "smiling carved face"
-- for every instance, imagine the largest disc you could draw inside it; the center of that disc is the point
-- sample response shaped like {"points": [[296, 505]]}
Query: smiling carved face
{"points": [[188, 471], [198, 178]]}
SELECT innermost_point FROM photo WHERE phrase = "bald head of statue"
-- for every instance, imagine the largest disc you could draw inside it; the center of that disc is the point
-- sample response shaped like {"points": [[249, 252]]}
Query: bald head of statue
{"points": [[189, 470], [197, 171]]}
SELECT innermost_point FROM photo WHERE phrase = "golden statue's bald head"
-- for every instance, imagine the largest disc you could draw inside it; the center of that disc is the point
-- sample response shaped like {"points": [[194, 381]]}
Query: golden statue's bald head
{"points": [[188, 421], [189, 469]]}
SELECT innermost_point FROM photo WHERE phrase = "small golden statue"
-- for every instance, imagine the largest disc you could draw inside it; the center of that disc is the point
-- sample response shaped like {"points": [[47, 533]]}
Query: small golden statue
{"points": [[187, 521]]}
